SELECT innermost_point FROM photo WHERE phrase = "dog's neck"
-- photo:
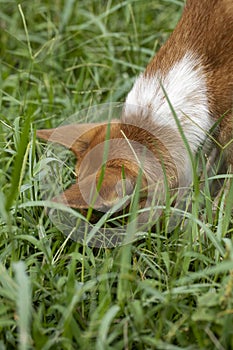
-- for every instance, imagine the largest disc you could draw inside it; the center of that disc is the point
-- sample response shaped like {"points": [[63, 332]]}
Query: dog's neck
{"points": [[195, 69]]}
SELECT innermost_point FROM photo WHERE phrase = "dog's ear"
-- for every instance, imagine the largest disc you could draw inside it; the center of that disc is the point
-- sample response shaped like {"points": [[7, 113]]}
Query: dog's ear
{"points": [[76, 137]]}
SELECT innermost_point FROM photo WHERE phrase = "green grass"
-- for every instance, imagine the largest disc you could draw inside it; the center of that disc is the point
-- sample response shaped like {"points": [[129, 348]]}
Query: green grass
{"points": [[171, 290]]}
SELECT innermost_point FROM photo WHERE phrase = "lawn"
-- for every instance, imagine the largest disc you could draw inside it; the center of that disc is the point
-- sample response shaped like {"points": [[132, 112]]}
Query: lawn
{"points": [[168, 290]]}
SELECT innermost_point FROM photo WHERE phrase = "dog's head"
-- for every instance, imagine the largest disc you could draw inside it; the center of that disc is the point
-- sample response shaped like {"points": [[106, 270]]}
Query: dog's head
{"points": [[112, 160]]}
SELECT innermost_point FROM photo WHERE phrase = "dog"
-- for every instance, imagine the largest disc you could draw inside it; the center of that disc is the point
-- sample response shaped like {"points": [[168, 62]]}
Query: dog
{"points": [[185, 92]]}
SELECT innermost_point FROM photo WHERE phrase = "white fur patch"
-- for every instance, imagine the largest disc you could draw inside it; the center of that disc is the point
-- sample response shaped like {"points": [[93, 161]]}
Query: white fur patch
{"points": [[186, 89]]}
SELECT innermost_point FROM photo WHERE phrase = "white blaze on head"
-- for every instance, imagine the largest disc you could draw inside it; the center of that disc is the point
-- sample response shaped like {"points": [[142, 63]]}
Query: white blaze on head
{"points": [[185, 86]]}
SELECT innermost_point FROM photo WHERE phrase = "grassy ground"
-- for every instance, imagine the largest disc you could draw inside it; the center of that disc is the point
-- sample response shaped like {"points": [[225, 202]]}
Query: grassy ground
{"points": [[168, 291]]}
